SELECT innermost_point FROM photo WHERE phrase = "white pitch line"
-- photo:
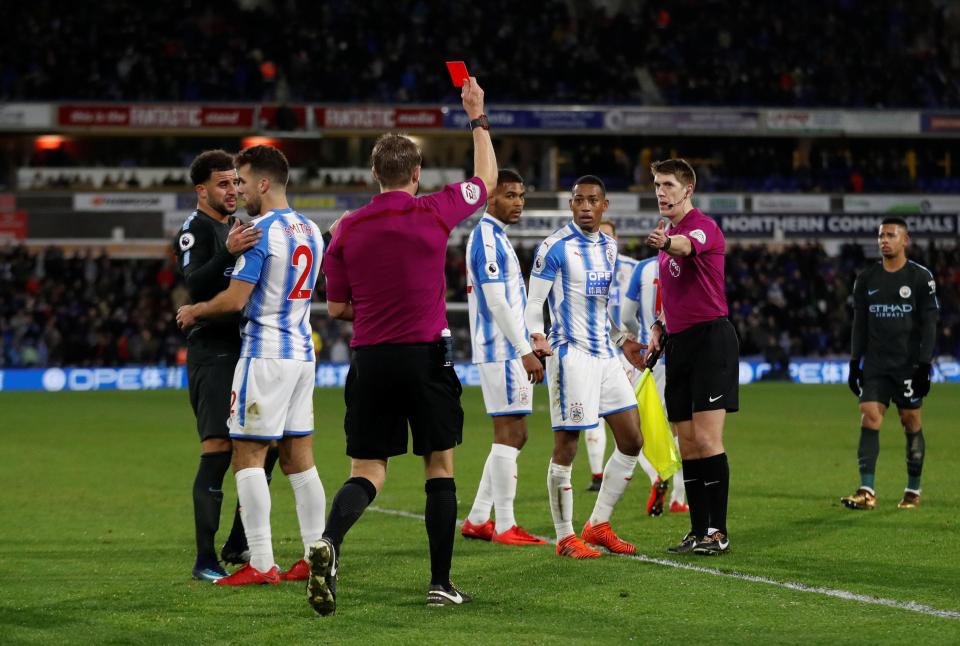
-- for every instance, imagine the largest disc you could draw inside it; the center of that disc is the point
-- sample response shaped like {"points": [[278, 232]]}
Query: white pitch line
{"points": [[911, 606]]}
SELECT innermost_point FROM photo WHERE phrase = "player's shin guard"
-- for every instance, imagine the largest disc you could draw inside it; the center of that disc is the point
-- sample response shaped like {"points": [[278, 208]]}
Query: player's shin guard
{"points": [[503, 482], [916, 450], [561, 498], [208, 498], [595, 440], [715, 472], [311, 506], [254, 496], [867, 454], [616, 477], [349, 503], [440, 518], [480, 512]]}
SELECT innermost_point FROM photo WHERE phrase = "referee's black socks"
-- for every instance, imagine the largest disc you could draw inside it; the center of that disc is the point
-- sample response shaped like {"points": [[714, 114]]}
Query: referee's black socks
{"points": [[440, 517], [715, 472], [351, 501], [207, 500], [696, 497]]}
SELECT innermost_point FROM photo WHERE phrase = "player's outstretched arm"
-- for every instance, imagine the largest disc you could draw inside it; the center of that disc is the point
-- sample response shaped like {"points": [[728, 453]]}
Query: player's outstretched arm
{"points": [[233, 299], [484, 157]]}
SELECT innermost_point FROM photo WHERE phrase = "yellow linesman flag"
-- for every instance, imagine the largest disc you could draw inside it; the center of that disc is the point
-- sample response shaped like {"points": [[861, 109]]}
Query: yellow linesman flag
{"points": [[658, 445]]}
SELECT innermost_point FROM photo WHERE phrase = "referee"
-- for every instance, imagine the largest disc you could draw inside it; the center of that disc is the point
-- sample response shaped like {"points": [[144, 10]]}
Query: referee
{"points": [[894, 328], [207, 244], [385, 272], [702, 374]]}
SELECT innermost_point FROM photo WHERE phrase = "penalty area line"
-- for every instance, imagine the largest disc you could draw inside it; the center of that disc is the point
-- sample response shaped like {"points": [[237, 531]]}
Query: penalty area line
{"points": [[846, 595]]}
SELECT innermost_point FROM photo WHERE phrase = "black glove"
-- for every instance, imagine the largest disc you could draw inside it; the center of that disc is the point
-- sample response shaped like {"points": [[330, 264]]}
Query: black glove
{"points": [[855, 379], [921, 380]]}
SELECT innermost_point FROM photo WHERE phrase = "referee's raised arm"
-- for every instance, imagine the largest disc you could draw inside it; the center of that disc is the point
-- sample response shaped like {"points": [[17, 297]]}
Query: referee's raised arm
{"points": [[484, 159], [385, 271]]}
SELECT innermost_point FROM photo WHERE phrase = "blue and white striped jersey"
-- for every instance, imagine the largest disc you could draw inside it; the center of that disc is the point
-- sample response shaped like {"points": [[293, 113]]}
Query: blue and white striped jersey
{"points": [[284, 266], [644, 288], [618, 289], [582, 271], [491, 259]]}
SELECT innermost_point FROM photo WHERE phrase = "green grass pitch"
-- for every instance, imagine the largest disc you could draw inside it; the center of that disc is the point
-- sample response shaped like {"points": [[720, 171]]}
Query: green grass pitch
{"points": [[96, 537]]}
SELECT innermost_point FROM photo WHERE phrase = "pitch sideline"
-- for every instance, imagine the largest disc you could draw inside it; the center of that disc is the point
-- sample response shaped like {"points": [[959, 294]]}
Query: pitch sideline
{"points": [[846, 595]]}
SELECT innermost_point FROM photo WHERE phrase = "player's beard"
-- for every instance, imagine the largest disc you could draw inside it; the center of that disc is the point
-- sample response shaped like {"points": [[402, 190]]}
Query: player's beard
{"points": [[253, 207], [220, 208]]}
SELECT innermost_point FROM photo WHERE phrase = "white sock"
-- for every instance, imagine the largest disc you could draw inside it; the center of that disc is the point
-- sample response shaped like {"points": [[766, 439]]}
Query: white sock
{"points": [[480, 512], [647, 467], [254, 496], [503, 481], [616, 477], [678, 490], [311, 505], [561, 498], [596, 441]]}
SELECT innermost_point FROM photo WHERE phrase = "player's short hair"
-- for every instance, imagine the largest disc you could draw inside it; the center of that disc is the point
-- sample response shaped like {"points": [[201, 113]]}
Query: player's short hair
{"points": [[895, 220], [592, 179], [681, 168], [207, 163], [265, 160], [507, 176], [393, 159], [609, 223]]}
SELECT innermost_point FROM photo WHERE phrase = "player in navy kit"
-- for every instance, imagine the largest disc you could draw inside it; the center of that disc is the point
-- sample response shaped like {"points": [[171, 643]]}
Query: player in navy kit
{"points": [[894, 329]]}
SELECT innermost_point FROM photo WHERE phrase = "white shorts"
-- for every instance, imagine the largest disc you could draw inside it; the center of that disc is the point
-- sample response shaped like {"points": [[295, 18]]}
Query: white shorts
{"points": [[506, 388], [583, 388], [271, 398], [633, 374]]}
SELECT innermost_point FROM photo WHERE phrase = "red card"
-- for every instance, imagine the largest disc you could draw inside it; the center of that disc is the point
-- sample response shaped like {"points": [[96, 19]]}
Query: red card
{"points": [[458, 72]]}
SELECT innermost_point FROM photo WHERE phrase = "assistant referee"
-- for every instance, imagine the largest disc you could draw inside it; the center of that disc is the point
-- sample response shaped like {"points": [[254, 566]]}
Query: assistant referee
{"points": [[702, 375], [385, 272]]}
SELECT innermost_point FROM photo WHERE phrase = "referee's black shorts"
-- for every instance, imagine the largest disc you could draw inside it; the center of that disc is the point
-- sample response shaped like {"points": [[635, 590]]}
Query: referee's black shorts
{"points": [[210, 385], [389, 386], [702, 370]]}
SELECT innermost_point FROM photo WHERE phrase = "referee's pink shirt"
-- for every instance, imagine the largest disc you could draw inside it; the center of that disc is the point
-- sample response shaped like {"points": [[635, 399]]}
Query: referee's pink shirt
{"points": [[692, 287], [388, 259]]}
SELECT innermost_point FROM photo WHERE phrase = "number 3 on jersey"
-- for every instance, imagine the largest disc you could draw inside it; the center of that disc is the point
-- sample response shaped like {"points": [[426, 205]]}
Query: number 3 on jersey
{"points": [[298, 292]]}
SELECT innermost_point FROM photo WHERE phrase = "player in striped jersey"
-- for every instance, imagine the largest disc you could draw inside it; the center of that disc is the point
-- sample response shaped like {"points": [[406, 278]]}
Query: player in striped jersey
{"points": [[573, 269], [595, 439], [641, 307], [272, 397], [508, 366]]}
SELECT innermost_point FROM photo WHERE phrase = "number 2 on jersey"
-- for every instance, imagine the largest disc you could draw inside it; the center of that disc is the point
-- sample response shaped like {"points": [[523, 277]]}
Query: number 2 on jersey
{"points": [[298, 292]]}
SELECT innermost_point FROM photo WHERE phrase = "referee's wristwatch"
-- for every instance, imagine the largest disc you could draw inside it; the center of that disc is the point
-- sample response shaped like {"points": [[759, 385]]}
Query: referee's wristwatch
{"points": [[480, 122]]}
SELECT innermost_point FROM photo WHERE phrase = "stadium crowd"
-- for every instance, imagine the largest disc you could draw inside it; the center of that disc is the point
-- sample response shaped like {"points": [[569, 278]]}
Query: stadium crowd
{"points": [[85, 309], [690, 52]]}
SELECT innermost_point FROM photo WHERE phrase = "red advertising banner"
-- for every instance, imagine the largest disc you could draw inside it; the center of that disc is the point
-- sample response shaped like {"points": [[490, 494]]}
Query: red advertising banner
{"points": [[156, 116], [357, 118]]}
